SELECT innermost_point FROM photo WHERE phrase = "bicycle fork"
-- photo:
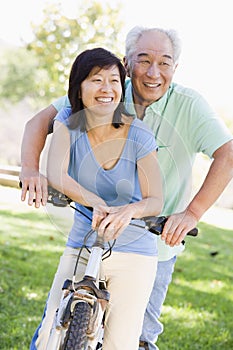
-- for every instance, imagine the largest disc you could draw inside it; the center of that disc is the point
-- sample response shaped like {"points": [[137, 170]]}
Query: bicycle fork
{"points": [[86, 291]]}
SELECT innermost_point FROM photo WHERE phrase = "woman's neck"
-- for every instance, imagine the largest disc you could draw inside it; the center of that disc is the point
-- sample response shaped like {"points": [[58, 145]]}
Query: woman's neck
{"points": [[100, 133], [94, 120]]}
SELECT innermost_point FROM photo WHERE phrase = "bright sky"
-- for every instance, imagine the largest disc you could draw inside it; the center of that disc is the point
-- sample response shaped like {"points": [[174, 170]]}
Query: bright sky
{"points": [[205, 27]]}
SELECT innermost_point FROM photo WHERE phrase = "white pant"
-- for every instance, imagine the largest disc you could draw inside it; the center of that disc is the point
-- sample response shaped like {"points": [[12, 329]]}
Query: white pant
{"points": [[129, 279]]}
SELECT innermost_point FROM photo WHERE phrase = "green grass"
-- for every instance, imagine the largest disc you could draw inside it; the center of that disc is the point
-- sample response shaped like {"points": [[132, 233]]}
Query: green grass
{"points": [[30, 247], [198, 310]]}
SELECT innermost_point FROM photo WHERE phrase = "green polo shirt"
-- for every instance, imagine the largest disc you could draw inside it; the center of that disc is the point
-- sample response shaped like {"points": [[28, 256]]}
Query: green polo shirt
{"points": [[184, 125]]}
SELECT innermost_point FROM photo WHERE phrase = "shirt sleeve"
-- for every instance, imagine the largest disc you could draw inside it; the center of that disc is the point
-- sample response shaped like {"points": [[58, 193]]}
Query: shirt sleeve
{"points": [[207, 131], [144, 139], [63, 115], [61, 102]]}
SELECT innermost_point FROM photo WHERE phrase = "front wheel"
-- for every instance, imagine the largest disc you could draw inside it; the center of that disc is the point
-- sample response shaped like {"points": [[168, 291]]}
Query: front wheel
{"points": [[76, 337]]}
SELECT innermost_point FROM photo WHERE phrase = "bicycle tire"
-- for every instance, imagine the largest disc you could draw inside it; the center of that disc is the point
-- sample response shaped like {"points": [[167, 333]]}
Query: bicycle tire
{"points": [[76, 337]]}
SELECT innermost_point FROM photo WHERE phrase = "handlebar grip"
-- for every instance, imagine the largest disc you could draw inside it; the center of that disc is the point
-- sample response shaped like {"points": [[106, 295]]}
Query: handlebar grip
{"points": [[193, 232], [156, 225]]}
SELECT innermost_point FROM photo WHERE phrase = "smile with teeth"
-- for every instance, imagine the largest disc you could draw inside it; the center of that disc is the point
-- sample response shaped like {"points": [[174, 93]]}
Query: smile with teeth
{"points": [[104, 99], [152, 85]]}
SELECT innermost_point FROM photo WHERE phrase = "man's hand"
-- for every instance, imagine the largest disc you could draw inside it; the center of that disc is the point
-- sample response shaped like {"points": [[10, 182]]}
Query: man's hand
{"points": [[177, 226], [37, 187]]}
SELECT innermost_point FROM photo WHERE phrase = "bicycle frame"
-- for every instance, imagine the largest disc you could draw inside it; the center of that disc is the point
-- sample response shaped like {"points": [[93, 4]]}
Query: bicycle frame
{"points": [[84, 291]]}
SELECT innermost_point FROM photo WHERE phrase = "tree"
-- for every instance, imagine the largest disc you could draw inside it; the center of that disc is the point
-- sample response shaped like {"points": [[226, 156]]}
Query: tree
{"points": [[17, 74], [59, 39]]}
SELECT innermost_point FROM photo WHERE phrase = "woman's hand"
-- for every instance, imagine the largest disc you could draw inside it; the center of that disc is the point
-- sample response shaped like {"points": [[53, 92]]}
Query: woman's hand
{"points": [[99, 213], [111, 221]]}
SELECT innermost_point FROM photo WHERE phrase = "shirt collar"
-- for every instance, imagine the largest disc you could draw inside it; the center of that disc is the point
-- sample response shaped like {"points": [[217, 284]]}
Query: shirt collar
{"points": [[129, 104], [157, 106]]}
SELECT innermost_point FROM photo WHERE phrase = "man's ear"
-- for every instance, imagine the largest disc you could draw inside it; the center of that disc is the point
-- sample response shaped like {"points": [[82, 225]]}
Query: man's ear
{"points": [[175, 67], [125, 61]]}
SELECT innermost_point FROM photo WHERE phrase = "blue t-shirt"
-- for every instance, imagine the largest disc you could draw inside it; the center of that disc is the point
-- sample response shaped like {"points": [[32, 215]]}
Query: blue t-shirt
{"points": [[117, 186]]}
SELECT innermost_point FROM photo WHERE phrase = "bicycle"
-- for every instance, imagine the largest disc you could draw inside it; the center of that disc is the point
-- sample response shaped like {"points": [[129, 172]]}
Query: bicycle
{"points": [[82, 307], [79, 320]]}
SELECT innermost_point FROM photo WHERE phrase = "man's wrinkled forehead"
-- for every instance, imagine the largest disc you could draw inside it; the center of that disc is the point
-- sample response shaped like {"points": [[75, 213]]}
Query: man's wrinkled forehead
{"points": [[143, 52]]}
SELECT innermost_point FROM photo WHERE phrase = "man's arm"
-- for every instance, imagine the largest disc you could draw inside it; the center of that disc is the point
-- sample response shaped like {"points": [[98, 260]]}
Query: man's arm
{"points": [[34, 137], [218, 177]]}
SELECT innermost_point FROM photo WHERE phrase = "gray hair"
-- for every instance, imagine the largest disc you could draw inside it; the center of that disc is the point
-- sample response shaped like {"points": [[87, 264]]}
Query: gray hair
{"points": [[135, 33]]}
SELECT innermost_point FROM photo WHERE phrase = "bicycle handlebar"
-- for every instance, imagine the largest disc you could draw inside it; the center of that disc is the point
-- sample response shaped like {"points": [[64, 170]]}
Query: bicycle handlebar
{"points": [[55, 197], [154, 224]]}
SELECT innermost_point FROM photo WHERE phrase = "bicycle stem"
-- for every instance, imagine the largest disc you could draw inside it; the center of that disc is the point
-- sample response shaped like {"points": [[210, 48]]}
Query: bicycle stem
{"points": [[95, 258]]}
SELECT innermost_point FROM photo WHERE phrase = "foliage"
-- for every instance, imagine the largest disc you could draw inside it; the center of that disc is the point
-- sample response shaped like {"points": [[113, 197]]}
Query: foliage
{"points": [[40, 70], [197, 313], [59, 39], [17, 74]]}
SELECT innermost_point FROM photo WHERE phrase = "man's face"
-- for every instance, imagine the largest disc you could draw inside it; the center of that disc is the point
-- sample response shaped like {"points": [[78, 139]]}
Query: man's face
{"points": [[152, 68]]}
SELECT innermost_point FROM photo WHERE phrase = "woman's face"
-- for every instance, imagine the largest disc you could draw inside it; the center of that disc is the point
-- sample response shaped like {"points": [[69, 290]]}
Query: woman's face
{"points": [[101, 91]]}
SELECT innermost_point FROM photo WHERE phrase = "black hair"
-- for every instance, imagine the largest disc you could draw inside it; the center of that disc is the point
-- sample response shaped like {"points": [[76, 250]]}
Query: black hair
{"points": [[80, 70]]}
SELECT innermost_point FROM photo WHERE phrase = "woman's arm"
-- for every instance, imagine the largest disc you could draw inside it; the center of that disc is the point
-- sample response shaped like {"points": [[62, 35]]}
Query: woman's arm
{"points": [[151, 187], [57, 169], [118, 218]]}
